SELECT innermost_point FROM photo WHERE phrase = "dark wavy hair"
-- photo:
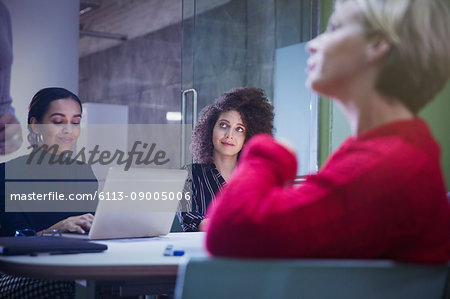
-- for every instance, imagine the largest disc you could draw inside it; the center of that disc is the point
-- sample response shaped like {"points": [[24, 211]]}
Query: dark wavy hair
{"points": [[256, 112]]}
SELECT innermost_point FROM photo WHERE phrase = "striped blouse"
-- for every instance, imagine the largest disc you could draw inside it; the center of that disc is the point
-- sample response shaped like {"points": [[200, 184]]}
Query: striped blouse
{"points": [[203, 183]]}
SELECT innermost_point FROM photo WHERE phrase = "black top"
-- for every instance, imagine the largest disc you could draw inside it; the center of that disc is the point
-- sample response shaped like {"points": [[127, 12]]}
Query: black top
{"points": [[20, 178], [203, 183]]}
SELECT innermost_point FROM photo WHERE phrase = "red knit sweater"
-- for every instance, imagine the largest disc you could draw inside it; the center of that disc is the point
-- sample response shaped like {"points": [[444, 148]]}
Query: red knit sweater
{"points": [[380, 195]]}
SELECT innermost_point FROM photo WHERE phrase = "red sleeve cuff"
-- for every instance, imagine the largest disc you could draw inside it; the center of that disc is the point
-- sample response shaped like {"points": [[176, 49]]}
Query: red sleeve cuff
{"points": [[280, 160]]}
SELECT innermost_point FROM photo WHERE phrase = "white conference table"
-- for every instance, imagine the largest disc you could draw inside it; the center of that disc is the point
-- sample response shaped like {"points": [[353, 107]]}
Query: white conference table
{"points": [[127, 262]]}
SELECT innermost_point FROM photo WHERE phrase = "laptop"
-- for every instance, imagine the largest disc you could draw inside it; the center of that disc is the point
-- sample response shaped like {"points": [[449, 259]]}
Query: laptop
{"points": [[138, 202]]}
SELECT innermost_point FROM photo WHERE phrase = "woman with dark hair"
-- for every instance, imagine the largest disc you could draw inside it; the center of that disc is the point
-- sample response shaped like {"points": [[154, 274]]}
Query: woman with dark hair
{"points": [[381, 195], [54, 126], [223, 129]]}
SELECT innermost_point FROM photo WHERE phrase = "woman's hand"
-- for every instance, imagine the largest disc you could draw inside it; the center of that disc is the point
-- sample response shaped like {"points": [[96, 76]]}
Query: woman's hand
{"points": [[11, 136], [75, 224], [203, 227]]}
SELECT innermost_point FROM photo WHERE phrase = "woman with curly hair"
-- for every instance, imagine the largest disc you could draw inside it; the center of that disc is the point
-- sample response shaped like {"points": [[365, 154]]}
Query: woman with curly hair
{"points": [[223, 129]]}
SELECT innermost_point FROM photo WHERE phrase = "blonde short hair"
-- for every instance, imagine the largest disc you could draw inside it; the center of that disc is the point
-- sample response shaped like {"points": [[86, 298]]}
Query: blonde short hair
{"points": [[418, 64]]}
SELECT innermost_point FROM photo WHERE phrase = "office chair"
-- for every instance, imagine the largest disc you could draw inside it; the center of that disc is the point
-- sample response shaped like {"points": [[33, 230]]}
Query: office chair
{"points": [[206, 278]]}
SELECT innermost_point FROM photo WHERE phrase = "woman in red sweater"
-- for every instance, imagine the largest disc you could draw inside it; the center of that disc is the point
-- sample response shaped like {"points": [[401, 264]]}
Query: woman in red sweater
{"points": [[381, 194]]}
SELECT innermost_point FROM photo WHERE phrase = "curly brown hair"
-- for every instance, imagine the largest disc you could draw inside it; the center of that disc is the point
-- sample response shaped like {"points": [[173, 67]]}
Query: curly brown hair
{"points": [[252, 104]]}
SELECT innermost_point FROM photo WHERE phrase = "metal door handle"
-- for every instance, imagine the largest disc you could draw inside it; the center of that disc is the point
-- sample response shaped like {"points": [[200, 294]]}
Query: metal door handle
{"points": [[183, 119]]}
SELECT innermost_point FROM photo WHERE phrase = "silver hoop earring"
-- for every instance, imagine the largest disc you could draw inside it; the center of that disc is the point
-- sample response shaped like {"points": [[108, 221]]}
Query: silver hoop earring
{"points": [[40, 138], [32, 138]]}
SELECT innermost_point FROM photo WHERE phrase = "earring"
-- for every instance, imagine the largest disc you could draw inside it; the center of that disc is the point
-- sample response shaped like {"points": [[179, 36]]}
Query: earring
{"points": [[35, 139], [40, 138]]}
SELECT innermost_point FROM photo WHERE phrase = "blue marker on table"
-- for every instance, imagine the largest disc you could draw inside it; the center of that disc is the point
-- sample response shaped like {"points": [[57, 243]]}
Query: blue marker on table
{"points": [[168, 251], [178, 252]]}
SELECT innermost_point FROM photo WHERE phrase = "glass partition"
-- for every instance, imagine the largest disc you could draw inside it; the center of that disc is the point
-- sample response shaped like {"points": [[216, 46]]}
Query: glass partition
{"points": [[260, 43]]}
